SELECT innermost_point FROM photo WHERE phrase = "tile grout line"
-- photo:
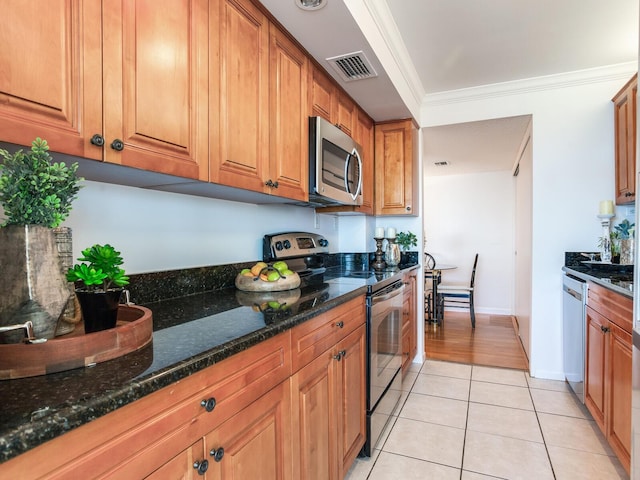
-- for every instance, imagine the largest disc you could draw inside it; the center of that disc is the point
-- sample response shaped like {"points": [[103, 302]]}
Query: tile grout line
{"points": [[544, 440]]}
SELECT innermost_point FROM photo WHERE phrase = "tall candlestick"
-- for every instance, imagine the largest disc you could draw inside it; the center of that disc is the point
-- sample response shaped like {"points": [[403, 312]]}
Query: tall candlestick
{"points": [[379, 232], [391, 232]]}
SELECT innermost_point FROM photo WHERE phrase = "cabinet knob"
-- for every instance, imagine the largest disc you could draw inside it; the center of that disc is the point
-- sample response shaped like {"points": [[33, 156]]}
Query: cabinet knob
{"points": [[343, 353], [117, 145], [408, 208], [201, 467], [209, 404], [97, 140], [217, 454], [340, 324], [604, 329], [338, 356], [271, 183]]}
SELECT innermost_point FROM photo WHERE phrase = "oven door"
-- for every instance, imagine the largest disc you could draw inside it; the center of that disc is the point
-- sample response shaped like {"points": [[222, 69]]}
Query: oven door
{"points": [[385, 340]]}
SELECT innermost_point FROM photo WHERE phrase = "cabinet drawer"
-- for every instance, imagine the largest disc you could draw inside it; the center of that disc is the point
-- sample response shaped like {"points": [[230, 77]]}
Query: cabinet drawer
{"points": [[614, 306], [162, 424], [319, 334]]}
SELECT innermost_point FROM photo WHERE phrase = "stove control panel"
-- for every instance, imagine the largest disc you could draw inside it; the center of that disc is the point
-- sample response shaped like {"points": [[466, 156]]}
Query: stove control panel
{"points": [[278, 246]]}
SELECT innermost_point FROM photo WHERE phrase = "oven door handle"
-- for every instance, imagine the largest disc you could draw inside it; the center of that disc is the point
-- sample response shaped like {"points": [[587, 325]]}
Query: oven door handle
{"points": [[383, 298]]}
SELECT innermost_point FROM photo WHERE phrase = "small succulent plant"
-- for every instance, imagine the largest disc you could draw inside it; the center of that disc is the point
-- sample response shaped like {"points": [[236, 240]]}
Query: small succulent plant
{"points": [[102, 270], [624, 230]]}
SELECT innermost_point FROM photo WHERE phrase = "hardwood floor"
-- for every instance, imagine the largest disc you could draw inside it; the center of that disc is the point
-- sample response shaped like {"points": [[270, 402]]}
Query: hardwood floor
{"points": [[493, 342]]}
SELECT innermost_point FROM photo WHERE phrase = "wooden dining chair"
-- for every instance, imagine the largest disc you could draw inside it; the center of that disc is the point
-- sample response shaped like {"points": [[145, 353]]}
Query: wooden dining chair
{"points": [[429, 303], [460, 296]]}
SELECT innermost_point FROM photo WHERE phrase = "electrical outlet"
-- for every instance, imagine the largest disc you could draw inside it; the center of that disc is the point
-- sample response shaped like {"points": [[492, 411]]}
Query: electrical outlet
{"points": [[631, 211], [316, 220]]}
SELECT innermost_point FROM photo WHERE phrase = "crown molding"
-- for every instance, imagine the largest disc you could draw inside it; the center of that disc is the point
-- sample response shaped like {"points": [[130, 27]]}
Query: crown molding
{"points": [[621, 71]]}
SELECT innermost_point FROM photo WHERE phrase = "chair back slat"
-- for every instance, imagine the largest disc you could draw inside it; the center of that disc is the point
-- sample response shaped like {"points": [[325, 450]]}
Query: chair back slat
{"points": [[473, 272]]}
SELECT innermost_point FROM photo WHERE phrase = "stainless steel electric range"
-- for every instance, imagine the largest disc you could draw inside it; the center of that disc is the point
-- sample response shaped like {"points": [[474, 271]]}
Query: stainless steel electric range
{"points": [[307, 253]]}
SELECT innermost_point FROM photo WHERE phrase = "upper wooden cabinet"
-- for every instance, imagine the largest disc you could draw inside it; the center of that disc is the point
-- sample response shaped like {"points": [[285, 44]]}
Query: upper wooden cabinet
{"points": [[155, 85], [625, 141], [51, 85], [396, 182], [322, 95], [122, 82], [258, 103]]}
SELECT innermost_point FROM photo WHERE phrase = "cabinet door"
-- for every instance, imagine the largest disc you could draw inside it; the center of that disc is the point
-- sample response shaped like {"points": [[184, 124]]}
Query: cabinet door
{"points": [[315, 420], [364, 136], [50, 86], [625, 142], [289, 143], [322, 96], [351, 400], [182, 466], [619, 389], [595, 371], [409, 323], [239, 101], [155, 85], [255, 443], [346, 114], [394, 169]]}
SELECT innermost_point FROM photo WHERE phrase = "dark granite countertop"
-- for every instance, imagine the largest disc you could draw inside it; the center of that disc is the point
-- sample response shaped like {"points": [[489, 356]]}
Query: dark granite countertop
{"points": [[190, 333], [615, 277]]}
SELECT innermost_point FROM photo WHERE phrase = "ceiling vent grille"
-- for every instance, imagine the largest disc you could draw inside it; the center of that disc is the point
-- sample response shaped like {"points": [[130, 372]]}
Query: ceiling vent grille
{"points": [[441, 164], [352, 66]]}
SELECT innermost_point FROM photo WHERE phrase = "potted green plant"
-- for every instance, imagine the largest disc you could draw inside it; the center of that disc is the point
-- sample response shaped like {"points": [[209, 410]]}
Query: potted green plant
{"points": [[36, 195], [624, 235], [406, 241], [102, 281]]}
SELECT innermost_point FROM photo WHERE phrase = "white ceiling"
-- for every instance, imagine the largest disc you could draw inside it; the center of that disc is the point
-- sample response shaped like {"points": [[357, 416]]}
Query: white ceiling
{"points": [[448, 45]]}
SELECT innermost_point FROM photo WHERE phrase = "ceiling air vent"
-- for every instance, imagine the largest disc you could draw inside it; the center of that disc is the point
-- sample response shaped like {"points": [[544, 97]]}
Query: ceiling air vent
{"points": [[352, 66], [441, 164]]}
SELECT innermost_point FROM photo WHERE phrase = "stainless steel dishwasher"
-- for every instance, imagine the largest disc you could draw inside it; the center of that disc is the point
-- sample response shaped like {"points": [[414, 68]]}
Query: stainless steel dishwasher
{"points": [[574, 304]]}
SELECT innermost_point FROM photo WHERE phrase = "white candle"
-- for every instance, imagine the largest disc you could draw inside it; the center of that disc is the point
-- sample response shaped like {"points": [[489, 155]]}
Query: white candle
{"points": [[391, 232], [379, 232], [606, 207]]}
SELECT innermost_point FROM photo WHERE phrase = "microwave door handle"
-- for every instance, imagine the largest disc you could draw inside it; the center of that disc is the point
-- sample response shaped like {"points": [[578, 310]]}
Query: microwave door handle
{"points": [[359, 189], [346, 173]]}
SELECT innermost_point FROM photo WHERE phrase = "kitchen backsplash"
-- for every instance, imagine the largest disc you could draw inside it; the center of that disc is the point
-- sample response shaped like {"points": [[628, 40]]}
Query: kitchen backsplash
{"points": [[152, 287]]}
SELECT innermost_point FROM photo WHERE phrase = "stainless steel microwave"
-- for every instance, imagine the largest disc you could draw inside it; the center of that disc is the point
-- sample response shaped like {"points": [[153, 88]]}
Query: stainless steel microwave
{"points": [[335, 168]]}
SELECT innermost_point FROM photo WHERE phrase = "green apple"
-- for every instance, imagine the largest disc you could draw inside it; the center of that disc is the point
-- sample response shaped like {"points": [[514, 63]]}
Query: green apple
{"points": [[280, 266], [274, 305], [287, 272], [273, 276]]}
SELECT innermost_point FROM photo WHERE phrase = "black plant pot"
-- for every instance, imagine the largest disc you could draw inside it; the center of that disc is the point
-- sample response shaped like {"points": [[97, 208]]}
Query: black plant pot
{"points": [[99, 309]]}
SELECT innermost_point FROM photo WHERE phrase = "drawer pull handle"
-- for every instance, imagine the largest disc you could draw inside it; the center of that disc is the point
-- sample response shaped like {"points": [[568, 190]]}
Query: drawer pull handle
{"points": [[217, 454], [201, 467], [340, 324], [604, 329], [209, 404]]}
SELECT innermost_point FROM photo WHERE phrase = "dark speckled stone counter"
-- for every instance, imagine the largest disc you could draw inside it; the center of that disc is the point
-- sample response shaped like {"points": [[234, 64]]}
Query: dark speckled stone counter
{"points": [[615, 277], [191, 332]]}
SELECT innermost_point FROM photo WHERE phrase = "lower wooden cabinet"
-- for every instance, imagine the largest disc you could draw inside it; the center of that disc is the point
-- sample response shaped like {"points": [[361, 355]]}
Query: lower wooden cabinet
{"points": [[409, 321], [608, 367], [328, 410]]}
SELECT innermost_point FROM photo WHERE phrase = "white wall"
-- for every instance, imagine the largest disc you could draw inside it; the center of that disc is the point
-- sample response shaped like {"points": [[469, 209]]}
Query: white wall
{"points": [[469, 214], [158, 231], [573, 169]]}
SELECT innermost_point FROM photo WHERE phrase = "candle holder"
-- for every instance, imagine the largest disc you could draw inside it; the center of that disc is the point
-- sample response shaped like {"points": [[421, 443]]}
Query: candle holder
{"points": [[605, 240], [379, 263]]}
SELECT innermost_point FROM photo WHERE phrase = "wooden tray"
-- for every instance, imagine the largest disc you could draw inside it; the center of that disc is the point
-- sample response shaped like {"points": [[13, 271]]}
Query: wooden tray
{"points": [[133, 331]]}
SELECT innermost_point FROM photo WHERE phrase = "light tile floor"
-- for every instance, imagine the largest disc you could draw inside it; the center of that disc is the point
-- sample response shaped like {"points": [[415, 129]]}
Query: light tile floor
{"points": [[465, 422]]}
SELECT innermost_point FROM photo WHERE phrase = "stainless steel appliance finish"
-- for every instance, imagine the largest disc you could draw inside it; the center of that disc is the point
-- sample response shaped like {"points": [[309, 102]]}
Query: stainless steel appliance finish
{"points": [[304, 252], [574, 301], [384, 358], [335, 165]]}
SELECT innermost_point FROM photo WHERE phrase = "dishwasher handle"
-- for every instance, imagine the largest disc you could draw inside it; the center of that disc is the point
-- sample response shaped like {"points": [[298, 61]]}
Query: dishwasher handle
{"points": [[572, 292]]}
